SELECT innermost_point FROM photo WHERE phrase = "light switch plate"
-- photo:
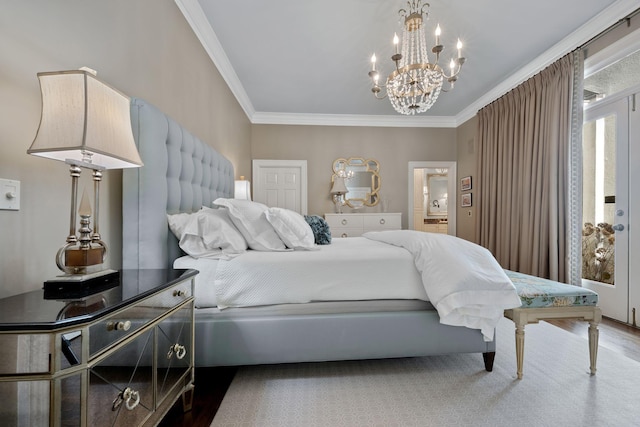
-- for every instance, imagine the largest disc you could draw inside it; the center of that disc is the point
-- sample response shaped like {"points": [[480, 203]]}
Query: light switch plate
{"points": [[9, 194]]}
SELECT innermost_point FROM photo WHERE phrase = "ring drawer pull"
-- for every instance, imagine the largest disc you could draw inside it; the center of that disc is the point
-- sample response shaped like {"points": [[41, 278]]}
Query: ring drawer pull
{"points": [[178, 349], [344, 235], [119, 326], [382, 221], [344, 222], [179, 293], [130, 397]]}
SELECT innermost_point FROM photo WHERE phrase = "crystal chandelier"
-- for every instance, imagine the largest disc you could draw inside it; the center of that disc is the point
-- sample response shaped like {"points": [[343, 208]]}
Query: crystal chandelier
{"points": [[415, 84]]}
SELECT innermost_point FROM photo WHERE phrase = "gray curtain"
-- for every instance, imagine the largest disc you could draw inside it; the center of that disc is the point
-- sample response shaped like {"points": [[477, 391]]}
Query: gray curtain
{"points": [[526, 149]]}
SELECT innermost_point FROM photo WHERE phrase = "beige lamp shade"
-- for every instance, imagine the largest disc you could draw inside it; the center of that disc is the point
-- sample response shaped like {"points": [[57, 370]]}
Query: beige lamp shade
{"points": [[338, 186], [82, 115], [242, 189]]}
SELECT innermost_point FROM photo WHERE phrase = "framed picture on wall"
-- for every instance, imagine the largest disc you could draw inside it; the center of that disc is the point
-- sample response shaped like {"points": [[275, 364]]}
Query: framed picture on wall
{"points": [[466, 200], [465, 183]]}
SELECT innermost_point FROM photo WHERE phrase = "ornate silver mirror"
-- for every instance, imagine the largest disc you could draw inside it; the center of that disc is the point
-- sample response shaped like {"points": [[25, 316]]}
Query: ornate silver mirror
{"points": [[362, 179]]}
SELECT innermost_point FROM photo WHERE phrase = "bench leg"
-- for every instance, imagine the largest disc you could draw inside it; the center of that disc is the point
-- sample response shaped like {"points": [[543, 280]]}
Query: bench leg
{"points": [[593, 345], [520, 349]]}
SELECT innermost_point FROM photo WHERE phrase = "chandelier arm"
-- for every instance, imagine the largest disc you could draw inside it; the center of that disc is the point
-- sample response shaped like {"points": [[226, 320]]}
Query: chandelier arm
{"points": [[457, 70], [451, 81]]}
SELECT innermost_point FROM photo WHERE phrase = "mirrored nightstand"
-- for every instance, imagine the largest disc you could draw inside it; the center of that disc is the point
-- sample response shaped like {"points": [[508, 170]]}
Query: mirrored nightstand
{"points": [[118, 355]]}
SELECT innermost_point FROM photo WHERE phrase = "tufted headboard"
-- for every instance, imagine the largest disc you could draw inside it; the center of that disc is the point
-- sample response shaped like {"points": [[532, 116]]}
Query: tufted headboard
{"points": [[180, 174]]}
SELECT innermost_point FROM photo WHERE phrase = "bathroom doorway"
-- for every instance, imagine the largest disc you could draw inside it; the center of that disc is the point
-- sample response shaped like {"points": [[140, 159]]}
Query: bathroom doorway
{"points": [[432, 196]]}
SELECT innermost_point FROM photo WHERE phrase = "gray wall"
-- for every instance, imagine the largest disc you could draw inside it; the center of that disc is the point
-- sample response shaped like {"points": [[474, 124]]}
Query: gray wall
{"points": [[321, 145], [146, 49], [466, 158]]}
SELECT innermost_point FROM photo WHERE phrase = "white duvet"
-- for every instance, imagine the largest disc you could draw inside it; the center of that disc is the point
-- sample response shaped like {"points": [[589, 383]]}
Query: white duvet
{"points": [[463, 281]]}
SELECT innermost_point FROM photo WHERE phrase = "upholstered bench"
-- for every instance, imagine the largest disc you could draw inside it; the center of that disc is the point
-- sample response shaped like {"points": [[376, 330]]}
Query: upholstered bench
{"points": [[544, 299]]}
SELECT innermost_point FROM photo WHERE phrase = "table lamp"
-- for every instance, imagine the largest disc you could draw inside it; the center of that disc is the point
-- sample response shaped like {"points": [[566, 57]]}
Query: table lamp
{"points": [[86, 124], [242, 189], [338, 190]]}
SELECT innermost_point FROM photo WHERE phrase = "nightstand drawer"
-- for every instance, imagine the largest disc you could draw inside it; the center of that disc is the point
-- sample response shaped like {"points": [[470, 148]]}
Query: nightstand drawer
{"points": [[175, 350], [121, 385], [122, 324]]}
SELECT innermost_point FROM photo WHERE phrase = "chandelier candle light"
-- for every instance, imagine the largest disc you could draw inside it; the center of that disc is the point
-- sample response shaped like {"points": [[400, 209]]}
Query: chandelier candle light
{"points": [[413, 87]]}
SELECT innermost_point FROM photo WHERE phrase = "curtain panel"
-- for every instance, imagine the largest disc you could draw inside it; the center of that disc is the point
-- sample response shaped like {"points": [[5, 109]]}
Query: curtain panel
{"points": [[526, 149]]}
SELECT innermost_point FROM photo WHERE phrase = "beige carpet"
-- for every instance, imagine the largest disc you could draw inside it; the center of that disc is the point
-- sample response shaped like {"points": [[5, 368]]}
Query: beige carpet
{"points": [[445, 390]]}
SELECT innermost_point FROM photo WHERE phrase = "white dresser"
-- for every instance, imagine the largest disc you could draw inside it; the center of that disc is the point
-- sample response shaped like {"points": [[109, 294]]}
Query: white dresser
{"points": [[355, 224]]}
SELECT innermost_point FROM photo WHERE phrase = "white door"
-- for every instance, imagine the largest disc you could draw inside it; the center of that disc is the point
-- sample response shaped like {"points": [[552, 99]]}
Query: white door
{"points": [[605, 240], [281, 183]]}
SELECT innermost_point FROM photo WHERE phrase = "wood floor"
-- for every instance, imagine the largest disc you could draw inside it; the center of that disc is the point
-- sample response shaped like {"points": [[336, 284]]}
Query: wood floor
{"points": [[212, 383]]}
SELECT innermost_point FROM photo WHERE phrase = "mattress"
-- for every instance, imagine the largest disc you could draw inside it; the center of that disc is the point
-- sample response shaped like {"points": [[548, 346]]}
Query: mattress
{"points": [[353, 269], [204, 293]]}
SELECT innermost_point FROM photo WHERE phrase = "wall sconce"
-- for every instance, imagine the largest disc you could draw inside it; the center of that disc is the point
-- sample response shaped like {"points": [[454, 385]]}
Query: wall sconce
{"points": [[242, 189], [338, 190], [86, 124]]}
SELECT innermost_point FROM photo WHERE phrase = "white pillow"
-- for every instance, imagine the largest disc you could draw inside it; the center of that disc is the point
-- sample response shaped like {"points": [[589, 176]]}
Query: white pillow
{"points": [[206, 234], [291, 227], [249, 217], [185, 227], [217, 231]]}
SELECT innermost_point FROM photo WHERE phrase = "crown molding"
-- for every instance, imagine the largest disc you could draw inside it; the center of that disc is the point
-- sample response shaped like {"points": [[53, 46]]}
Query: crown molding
{"points": [[584, 33], [196, 18], [200, 25], [353, 120]]}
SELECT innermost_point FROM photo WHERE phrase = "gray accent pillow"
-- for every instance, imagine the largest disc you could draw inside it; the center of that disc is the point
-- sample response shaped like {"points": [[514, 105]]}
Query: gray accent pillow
{"points": [[320, 228]]}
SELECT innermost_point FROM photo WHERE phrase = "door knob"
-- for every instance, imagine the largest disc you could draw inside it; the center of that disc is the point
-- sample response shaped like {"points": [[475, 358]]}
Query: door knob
{"points": [[618, 227]]}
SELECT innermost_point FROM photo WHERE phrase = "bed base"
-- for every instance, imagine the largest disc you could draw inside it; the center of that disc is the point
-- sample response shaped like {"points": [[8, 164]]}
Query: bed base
{"points": [[318, 338]]}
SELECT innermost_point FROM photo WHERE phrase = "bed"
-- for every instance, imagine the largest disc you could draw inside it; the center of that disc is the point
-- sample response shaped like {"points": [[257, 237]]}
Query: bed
{"points": [[181, 174]]}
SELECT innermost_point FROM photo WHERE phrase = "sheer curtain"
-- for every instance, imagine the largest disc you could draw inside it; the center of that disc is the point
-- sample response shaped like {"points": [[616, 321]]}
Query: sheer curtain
{"points": [[529, 151]]}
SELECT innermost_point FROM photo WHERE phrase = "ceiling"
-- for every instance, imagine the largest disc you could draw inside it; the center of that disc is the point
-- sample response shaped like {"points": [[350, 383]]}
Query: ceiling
{"points": [[306, 62]]}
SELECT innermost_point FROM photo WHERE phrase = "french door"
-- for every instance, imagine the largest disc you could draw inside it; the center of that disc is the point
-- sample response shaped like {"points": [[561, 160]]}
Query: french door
{"points": [[608, 206]]}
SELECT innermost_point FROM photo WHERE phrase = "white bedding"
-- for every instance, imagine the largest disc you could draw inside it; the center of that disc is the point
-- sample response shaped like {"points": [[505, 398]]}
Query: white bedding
{"points": [[205, 293], [347, 269], [463, 280]]}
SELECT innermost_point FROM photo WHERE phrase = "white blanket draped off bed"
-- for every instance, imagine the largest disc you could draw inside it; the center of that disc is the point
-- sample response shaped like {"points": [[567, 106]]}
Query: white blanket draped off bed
{"points": [[463, 281]]}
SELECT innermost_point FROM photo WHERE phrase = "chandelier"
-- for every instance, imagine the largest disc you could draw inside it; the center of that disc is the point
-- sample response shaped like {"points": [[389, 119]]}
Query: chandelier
{"points": [[413, 87]]}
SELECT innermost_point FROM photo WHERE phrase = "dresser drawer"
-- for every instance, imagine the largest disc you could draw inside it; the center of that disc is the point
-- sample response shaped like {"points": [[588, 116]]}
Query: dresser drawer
{"points": [[123, 323], [346, 232], [344, 221], [356, 224], [382, 222]]}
